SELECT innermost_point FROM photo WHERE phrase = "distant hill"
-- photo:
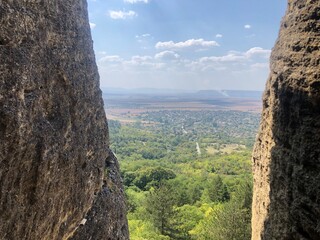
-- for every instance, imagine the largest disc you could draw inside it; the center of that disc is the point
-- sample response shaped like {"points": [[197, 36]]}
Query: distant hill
{"points": [[229, 94], [144, 91], [185, 94], [179, 92]]}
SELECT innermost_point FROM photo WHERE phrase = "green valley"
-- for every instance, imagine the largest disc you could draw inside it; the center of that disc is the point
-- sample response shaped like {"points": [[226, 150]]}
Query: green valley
{"points": [[187, 173]]}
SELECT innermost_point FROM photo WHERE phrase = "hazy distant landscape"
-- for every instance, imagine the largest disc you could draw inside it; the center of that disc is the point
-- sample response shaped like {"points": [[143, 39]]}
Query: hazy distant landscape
{"points": [[124, 105], [184, 155]]}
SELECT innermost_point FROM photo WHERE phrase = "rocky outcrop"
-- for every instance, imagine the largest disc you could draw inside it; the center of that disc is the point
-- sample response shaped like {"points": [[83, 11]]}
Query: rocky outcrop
{"points": [[286, 201], [53, 133], [99, 222]]}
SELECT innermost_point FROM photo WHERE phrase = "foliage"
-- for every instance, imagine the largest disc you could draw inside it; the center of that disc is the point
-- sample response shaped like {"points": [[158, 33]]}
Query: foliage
{"points": [[143, 230], [160, 208], [186, 218], [217, 190], [229, 221], [175, 193], [152, 177]]}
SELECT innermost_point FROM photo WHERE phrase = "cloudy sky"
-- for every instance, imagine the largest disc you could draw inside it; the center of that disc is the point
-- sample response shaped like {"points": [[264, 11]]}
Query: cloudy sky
{"points": [[184, 44]]}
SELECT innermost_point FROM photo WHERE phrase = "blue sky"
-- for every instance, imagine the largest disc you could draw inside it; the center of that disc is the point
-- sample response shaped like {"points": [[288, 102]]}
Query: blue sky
{"points": [[184, 44]]}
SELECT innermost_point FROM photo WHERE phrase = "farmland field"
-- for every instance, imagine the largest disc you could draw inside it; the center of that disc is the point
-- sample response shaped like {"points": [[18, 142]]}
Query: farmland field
{"points": [[125, 108]]}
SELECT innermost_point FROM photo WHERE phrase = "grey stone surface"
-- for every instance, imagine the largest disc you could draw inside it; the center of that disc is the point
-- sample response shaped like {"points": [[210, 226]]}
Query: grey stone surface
{"points": [[286, 158], [53, 131]]}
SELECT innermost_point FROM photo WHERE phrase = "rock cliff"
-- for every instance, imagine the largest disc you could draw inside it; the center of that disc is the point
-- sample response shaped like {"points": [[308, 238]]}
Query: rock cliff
{"points": [[56, 170], [286, 201]]}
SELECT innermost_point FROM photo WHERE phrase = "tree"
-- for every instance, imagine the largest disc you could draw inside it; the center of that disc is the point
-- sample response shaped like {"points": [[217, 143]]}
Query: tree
{"points": [[194, 191], [186, 218], [152, 177], [205, 197], [160, 208], [128, 178], [218, 191], [228, 221], [225, 222]]}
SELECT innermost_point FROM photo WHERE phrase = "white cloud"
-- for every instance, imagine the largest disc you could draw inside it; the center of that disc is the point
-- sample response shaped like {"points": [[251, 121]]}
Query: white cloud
{"points": [[256, 57], [146, 35], [187, 44], [234, 56], [136, 1], [142, 63], [143, 37], [243, 70], [102, 52], [167, 55], [92, 25], [247, 26], [219, 35], [145, 41], [231, 57], [111, 59], [122, 14], [140, 59], [260, 65], [265, 53]]}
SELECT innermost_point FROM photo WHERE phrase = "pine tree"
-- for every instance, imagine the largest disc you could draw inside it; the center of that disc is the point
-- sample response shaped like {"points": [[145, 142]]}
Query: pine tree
{"points": [[159, 206]]}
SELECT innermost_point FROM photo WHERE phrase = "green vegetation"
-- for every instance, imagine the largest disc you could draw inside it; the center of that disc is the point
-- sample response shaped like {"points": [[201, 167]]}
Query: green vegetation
{"points": [[187, 174]]}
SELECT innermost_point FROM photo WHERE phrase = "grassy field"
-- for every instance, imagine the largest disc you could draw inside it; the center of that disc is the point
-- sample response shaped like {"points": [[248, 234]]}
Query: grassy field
{"points": [[225, 148]]}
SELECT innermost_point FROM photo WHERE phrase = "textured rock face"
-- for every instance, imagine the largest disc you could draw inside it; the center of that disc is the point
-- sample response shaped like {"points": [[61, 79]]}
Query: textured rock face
{"points": [[53, 132], [104, 211], [286, 201]]}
